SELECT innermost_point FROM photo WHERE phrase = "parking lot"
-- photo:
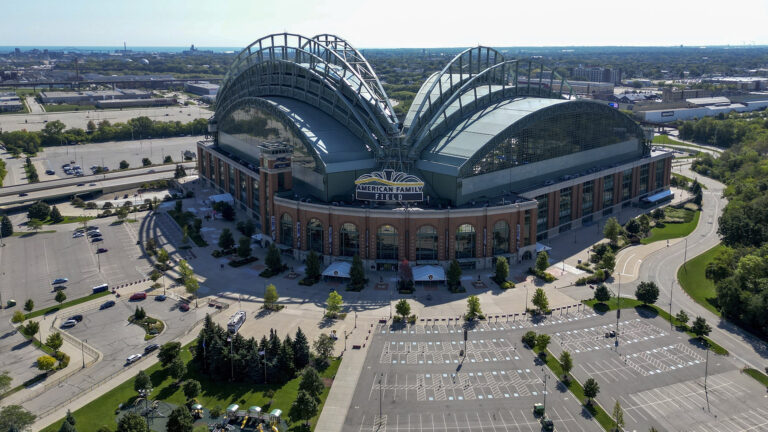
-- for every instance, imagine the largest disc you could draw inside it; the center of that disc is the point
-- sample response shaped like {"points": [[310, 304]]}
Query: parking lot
{"points": [[416, 378], [33, 262], [657, 374]]}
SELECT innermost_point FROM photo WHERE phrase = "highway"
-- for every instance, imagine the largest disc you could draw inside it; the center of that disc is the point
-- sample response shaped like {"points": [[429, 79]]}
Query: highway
{"points": [[69, 186]]}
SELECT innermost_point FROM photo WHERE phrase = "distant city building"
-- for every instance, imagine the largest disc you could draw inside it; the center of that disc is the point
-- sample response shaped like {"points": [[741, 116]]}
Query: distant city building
{"points": [[596, 74], [703, 107], [92, 96], [127, 103], [741, 83], [202, 88]]}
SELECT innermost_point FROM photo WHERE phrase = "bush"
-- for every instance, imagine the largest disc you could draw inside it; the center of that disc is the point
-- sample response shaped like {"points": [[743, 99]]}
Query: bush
{"points": [[63, 360], [507, 285], [242, 262], [216, 253]]}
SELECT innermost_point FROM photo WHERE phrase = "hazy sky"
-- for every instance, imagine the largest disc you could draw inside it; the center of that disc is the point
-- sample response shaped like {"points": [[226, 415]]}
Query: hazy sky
{"points": [[388, 23]]}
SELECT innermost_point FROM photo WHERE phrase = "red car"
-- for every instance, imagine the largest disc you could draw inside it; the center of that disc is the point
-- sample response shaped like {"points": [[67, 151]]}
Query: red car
{"points": [[139, 296], [183, 307]]}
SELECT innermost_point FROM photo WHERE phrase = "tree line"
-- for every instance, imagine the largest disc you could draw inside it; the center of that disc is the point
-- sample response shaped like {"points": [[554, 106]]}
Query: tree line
{"points": [[725, 131], [56, 133], [740, 269]]}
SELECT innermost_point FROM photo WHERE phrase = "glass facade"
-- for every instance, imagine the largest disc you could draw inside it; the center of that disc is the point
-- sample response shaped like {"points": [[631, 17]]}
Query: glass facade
{"points": [[626, 185], [500, 238], [542, 215], [286, 230], [387, 243], [527, 228], [659, 175], [587, 197], [426, 243], [255, 198], [608, 191], [555, 136], [643, 186], [465, 241], [565, 205], [315, 236], [349, 240]]}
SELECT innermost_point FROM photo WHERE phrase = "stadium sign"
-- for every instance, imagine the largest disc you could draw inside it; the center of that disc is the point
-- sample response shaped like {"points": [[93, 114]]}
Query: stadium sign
{"points": [[389, 185]]}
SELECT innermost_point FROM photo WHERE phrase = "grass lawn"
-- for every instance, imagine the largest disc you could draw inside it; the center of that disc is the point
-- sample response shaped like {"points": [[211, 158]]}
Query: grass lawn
{"points": [[627, 303], [68, 107], [597, 412], [31, 233], [65, 305], [756, 374], [215, 393], [686, 178], [693, 280], [674, 230], [664, 139], [69, 219]]}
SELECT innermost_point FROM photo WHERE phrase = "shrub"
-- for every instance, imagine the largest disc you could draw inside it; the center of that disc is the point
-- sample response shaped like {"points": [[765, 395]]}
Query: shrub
{"points": [[507, 285], [216, 253]]}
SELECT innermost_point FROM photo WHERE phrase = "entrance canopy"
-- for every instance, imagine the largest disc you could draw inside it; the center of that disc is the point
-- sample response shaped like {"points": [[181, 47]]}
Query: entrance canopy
{"points": [[338, 269], [227, 198], [428, 273], [540, 247], [665, 194]]}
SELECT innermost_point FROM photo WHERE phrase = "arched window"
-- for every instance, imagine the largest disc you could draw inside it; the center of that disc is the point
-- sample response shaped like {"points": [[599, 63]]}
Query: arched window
{"points": [[386, 243], [501, 238], [349, 240], [286, 230], [426, 243], [465, 241], [315, 236]]}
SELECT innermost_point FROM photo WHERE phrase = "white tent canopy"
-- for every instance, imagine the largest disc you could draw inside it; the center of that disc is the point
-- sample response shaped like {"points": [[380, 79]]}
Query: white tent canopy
{"points": [[428, 273], [227, 198], [338, 269]]}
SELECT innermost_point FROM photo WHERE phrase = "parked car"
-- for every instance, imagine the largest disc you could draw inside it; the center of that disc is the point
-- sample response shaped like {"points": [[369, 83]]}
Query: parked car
{"points": [[160, 297], [183, 307], [133, 359], [23, 194], [107, 304], [50, 172], [92, 228], [68, 323], [138, 296], [60, 281], [77, 318], [151, 348], [102, 250], [81, 184], [96, 239], [78, 235]]}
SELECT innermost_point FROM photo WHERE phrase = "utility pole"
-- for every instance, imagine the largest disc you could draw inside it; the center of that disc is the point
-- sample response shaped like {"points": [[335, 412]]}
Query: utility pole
{"points": [[82, 353], [685, 254], [671, 290], [706, 370], [618, 313]]}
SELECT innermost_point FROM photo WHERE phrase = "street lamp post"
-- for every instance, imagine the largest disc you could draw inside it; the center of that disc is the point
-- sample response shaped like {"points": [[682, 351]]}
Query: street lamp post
{"points": [[82, 353], [231, 360]]}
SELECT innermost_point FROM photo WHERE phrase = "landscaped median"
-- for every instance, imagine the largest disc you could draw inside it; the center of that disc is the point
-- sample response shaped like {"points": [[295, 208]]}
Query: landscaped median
{"points": [[53, 309], [689, 218], [692, 278], [628, 303]]}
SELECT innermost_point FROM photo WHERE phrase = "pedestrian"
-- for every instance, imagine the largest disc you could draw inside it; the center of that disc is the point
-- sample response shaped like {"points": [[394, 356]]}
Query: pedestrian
{"points": [[221, 266]]}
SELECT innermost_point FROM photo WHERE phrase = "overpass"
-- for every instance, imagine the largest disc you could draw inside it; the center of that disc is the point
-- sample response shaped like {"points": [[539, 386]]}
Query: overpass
{"points": [[104, 183]]}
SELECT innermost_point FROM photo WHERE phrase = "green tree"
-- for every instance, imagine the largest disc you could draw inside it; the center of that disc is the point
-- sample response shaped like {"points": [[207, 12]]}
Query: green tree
{"points": [[35, 224], [542, 341], [608, 262], [591, 389], [146, 162], [700, 327], [142, 382], [333, 304], [403, 308], [285, 364], [177, 369], [45, 362], [502, 270], [122, 213], [169, 352], [357, 273], [180, 420], [244, 247], [55, 215], [324, 346], [540, 300], [163, 257], [192, 388], [180, 172], [454, 275], [473, 308], [60, 296], [226, 240], [6, 227], [18, 317], [15, 418], [270, 296], [132, 422], [303, 408], [32, 328], [168, 159], [313, 267], [618, 417], [542, 261], [612, 230], [273, 261], [721, 266], [124, 164], [529, 338], [311, 383], [29, 305], [188, 279], [39, 210], [90, 126], [602, 294], [155, 276], [632, 226], [139, 314], [54, 341], [247, 227], [566, 362], [682, 318], [647, 292], [5, 381], [68, 425]]}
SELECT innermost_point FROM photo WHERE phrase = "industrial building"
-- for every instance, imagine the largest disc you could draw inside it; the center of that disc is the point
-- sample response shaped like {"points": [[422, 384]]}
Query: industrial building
{"points": [[128, 103], [9, 101], [490, 158], [202, 88], [78, 97], [703, 107]]}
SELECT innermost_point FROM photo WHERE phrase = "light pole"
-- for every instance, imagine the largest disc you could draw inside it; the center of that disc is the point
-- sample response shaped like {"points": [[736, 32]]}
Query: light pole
{"points": [[82, 353], [671, 290], [231, 360], [685, 254], [380, 396], [618, 313]]}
